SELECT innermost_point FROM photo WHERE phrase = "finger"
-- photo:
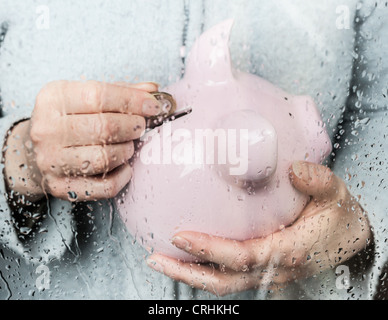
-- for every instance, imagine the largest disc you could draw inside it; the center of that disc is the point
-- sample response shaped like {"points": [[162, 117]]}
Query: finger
{"points": [[315, 180], [103, 128], [310, 245], [235, 255], [89, 188], [204, 277], [96, 97], [94, 160]]}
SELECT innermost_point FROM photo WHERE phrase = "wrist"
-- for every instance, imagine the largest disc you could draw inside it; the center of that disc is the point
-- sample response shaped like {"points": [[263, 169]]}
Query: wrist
{"points": [[22, 179]]}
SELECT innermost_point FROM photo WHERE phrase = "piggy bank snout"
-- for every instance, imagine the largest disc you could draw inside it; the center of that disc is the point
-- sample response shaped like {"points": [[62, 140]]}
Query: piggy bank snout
{"points": [[252, 149]]}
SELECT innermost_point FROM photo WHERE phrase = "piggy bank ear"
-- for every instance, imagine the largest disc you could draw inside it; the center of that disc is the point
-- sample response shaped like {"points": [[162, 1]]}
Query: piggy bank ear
{"points": [[209, 60]]}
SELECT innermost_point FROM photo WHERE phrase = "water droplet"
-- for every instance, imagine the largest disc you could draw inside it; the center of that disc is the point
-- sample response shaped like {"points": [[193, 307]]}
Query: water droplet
{"points": [[85, 165], [245, 268], [268, 171], [25, 230], [182, 51], [72, 196], [361, 122], [240, 197]]}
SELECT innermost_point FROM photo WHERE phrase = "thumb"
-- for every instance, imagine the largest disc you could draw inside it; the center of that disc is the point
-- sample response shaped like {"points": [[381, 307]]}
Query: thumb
{"points": [[314, 179]]}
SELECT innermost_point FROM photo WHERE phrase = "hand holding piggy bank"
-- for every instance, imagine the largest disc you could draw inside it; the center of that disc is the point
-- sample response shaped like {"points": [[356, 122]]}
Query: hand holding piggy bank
{"points": [[223, 169]]}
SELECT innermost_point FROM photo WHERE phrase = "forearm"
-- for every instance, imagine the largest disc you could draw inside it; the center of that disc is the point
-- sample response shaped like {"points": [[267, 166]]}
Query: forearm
{"points": [[21, 210], [22, 181]]}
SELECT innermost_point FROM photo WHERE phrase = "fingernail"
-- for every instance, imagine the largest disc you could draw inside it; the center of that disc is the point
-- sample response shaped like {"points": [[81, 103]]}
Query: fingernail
{"points": [[152, 107], [154, 265], [181, 243], [297, 169], [152, 83], [147, 85]]}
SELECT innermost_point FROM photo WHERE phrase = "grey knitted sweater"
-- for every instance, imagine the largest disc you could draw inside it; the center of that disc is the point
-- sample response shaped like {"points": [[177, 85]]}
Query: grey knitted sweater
{"points": [[334, 53]]}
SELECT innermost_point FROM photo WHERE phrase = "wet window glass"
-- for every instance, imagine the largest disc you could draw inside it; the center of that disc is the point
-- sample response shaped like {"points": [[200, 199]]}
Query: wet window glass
{"points": [[188, 150]]}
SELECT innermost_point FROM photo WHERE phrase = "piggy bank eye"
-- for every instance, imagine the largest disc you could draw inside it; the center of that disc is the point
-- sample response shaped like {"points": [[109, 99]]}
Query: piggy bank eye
{"points": [[252, 149]]}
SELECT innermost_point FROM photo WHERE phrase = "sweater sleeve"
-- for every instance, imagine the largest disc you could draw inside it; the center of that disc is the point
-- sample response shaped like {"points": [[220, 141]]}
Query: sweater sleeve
{"points": [[51, 233], [361, 157], [48, 231]]}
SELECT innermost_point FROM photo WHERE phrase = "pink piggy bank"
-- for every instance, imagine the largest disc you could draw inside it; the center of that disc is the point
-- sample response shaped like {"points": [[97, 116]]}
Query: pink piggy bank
{"points": [[224, 168]]}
